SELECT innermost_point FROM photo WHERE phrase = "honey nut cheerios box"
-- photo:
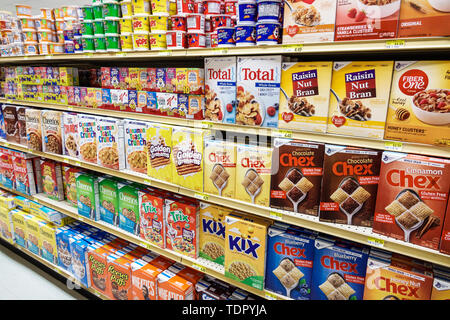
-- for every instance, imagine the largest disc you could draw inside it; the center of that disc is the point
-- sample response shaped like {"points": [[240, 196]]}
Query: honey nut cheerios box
{"points": [[87, 133], [359, 98], [110, 143], [304, 97], [419, 105], [136, 145], [159, 152]]}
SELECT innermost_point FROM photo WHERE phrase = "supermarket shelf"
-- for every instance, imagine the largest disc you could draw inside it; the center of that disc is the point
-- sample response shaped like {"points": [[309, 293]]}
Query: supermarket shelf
{"points": [[399, 45], [357, 234], [430, 150]]}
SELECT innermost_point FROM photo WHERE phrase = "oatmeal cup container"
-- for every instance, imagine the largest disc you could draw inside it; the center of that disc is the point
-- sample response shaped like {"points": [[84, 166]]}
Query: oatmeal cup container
{"points": [[269, 10], [141, 42], [211, 7], [98, 11], [112, 43], [87, 28], [160, 6], [127, 9], [47, 13], [126, 26], [196, 40], [44, 48], [99, 27], [176, 39], [141, 6], [69, 47], [245, 36], [59, 37], [185, 7], [141, 23], [56, 48], [178, 23], [158, 41], [126, 42], [88, 12], [30, 36], [88, 43], [23, 11], [220, 20], [268, 33], [27, 24], [111, 10], [59, 24], [246, 12], [230, 7], [195, 22], [30, 48], [226, 37], [44, 24], [111, 27]]}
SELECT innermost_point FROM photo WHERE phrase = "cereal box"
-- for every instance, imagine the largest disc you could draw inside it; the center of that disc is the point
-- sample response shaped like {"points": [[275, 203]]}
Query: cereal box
{"points": [[364, 19], [359, 98], [182, 226], [70, 190], [174, 287], [151, 217], [7, 168], [444, 246], [48, 249], [18, 221], [309, 21], [297, 176], [144, 280], [109, 199], [70, 134], [32, 233], [159, 152], [245, 250], [190, 274], [258, 90], [304, 95], [220, 168], [22, 124], [187, 148], [414, 198], [51, 131], [11, 123], [87, 143], [289, 261], [6, 225], [195, 81], [120, 273], [196, 106], [52, 179], [419, 107], [212, 232], [389, 279], [420, 18], [160, 80], [349, 185], [129, 207], [2, 125], [78, 249], [339, 270], [253, 172], [110, 143], [441, 284], [136, 145], [220, 89], [87, 195], [24, 173]]}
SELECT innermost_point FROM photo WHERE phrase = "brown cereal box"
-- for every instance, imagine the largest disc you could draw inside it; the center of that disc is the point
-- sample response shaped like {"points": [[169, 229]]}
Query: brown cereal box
{"points": [[159, 152], [51, 131], [445, 237], [22, 123], [34, 129], [70, 134], [359, 98], [135, 135], [419, 105], [110, 139], [11, 123], [87, 133]]}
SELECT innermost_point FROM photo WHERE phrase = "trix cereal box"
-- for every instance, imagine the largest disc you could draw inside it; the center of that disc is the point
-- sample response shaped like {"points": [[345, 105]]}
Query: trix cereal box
{"points": [[359, 98], [445, 237], [258, 90], [350, 185], [289, 261], [414, 198], [419, 106], [296, 176], [304, 100], [422, 18], [151, 207], [366, 19], [390, 277], [309, 21], [441, 284], [159, 152], [339, 270], [220, 89]]}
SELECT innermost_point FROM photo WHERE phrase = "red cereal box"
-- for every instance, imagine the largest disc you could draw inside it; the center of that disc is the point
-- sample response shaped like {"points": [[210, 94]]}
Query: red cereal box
{"points": [[445, 237], [151, 206], [106, 77], [174, 287], [151, 80]]}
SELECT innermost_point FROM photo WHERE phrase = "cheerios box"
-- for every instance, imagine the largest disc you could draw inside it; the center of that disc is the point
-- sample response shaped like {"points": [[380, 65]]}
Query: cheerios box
{"points": [[135, 135], [419, 105], [87, 195], [129, 207], [110, 143], [258, 90], [359, 98], [109, 199]]}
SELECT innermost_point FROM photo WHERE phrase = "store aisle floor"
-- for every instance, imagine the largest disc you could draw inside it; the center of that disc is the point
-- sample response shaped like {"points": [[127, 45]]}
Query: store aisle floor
{"points": [[21, 280]]}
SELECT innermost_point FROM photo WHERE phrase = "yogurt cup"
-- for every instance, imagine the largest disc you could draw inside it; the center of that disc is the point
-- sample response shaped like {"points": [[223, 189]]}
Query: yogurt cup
{"points": [[126, 26], [126, 42], [59, 24], [100, 43], [160, 6], [111, 27], [99, 27], [246, 12], [211, 39], [69, 47], [112, 43], [230, 7], [47, 13], [28, 24], [226, 37], [88, 12], [127, 9], [176, 39], [30, 36], [199, 6], [268, 33], [58, 13], [111, 10], [158, 41], [211, 7], [141, 42], [45, 36], [141, 6], [178, 23], [159, 23], [245, 35], [44, 24], [87, 28], [98, 11], [185, 7], [196, 40], [88, 43], [195, 22], [70, 12], [23, 11], [44, 48], [30, 49], [220, 20], [141, 23], [269, 10], [56, 48]]}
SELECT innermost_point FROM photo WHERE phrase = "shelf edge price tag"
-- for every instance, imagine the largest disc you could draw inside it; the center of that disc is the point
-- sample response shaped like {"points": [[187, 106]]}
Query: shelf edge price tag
{"points": [[199, 267], [146, 245], [201, 196], [292, 47], [375, 242], [148, 182], [49, 56], [393, 145], [282, 133], [394, 44], [220, 50], [165, 53], [276, 215], [270, 296]]}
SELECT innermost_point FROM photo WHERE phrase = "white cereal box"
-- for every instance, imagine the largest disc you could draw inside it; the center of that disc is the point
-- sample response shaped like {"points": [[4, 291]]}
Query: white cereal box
{"points": [[110, 139], [258, 90], [87, 146], [220, 89], [135, 134], [70, 134]]}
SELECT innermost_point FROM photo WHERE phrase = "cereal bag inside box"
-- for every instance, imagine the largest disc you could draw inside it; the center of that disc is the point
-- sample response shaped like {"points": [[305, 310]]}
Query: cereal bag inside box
{"points": [[304, 95], [136, 145], [110, 143], [297, 175], [52, 179], [220, 168], [70, 134], [309, 21], [419, 106], [87, 195], [51, 131], [151, 206], [421, 18], [414, 198], [258, 90], [129, 207], [220, 89], [159, 152], [441, 284], [109, 199], [444, 246], [365, 19], [349, 185], [6, 225], [359, 98], [87, 133]]}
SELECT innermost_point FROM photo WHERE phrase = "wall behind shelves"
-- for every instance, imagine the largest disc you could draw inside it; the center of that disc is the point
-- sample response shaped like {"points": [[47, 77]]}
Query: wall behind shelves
{"points": [[36, 5]]}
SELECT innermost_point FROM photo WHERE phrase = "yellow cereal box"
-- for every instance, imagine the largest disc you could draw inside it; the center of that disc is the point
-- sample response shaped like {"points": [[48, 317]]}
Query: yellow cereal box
{"points": [[220, 168], [32, 233], [253, 172], [159, 152], [6, 226], [359, 98], [18, 220], [419, 106], [48, 249], [245, 250], [304, 95]]}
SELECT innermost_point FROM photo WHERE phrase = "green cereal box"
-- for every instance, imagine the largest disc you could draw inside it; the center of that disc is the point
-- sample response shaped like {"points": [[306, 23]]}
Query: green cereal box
{"points": [[129, 207], [87, 195], [109, 199]]}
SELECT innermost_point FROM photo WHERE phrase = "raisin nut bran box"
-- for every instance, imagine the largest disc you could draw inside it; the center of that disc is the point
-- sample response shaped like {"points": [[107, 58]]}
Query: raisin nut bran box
{"points": [[359, 98], [304, 95], [297, 176], [419, 106], [414, 198], [349, 186]]}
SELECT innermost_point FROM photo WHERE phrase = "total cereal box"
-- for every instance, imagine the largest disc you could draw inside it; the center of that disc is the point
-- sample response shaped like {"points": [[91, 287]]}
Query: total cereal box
{"points": [[136, 145], [419, 106], [441, 284], [392, 278], [304, 95], [258, 90], [445, 237], [220, 89], [159, 152], [414, 198], [110, 143], [359, 98], [309, 21], [339, 270], [289, 261]]}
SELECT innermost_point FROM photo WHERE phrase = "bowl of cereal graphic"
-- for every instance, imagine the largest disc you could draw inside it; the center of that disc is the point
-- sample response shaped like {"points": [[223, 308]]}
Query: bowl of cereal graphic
{"points": [[432, 106], [249, 111], [440, 5], [377, 9]]}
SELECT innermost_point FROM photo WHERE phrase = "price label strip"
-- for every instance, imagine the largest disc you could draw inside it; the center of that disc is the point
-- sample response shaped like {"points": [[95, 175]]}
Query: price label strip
{"points": [[292, 47], [199, 267], [276, 215], [201, 196], [395, 44], [282, 133], [393, 146]]}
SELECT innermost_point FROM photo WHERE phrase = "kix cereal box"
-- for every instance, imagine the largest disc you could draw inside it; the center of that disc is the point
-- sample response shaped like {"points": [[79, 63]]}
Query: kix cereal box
{"points": [[159, 152], [419, 106], [359, 98], [245, 250], [441, 284], [151, 206], [304, 95], [220, 167]]}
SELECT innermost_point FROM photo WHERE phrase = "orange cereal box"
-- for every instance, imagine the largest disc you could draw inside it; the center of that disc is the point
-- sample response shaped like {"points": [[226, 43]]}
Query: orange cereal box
{"points": [[174, 287], [144, 280], [159, 152], [445, 237]]}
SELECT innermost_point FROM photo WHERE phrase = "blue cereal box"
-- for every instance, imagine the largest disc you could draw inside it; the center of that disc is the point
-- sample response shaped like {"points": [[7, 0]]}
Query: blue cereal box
{"points": [[339, 270], [289, 266]]}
